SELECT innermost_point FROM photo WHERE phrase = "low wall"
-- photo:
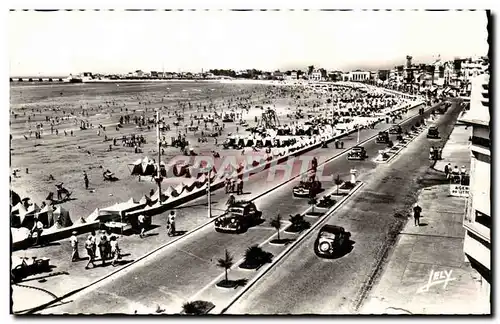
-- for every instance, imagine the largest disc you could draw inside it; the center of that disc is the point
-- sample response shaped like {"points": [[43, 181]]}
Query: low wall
{"points": [[216, 185]]}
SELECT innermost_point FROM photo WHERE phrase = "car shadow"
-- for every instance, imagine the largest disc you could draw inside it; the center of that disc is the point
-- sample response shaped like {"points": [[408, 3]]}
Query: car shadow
{"points": [[346, 249], [259, 222]]}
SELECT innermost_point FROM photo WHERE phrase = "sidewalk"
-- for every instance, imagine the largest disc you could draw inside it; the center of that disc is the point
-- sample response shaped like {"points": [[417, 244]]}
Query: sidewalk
{"points": [[456, 150], [432, 250]]}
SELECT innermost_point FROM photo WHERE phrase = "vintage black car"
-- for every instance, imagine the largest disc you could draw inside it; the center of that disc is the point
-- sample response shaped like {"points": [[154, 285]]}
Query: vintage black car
{"points": [[357, 153], [433, 132], [238, 218], [307, 187], [382, 138], [396, 130], [330, 240]]}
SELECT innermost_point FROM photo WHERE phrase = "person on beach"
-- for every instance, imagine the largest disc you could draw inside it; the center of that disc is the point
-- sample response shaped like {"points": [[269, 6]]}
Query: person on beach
{"points": [[86, 180], [38, 229]]}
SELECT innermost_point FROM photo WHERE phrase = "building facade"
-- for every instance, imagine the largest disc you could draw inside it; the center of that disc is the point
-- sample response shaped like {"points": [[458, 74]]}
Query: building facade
{"points": [[477, 221], [316, 76], [359, 76]]}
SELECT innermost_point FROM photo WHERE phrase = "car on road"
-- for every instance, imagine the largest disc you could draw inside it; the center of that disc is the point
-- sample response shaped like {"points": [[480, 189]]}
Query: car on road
{"points": [[331, 240], [382, 138], [357, 153], [396, 130], [308, 187], [238, 218], [433, 132]]}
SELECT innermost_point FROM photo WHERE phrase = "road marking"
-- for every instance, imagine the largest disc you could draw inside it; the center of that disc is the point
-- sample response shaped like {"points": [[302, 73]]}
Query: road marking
{"points": [[193, 255]]}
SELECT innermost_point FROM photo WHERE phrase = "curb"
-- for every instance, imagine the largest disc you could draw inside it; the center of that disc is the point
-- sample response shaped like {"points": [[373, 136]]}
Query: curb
{"points": [[290, 248], [43, 306]]}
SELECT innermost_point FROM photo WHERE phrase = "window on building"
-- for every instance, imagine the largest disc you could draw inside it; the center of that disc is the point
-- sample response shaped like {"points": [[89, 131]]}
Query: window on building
{"points": [[485, 142], [483, 219]]}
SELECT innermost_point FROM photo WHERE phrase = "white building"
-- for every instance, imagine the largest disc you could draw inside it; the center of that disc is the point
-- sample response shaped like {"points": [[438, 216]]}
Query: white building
{"points": [[477, 222], [315, 75], [359, 76], [294, 75]]}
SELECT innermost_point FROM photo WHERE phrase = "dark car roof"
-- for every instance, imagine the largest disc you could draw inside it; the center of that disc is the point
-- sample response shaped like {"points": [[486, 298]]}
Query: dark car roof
{"points": [[332, 229], [242, 204]]}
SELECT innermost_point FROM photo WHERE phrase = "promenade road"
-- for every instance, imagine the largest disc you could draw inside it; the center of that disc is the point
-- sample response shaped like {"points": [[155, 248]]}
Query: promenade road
{"points": [[305, 284]]}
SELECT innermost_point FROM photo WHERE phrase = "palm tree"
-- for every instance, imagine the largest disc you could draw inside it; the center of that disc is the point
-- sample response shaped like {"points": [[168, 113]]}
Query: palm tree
{"points": [[226, 263], [298, 222], [338, 182], [312, 201], [256, 256], [276, 223]]}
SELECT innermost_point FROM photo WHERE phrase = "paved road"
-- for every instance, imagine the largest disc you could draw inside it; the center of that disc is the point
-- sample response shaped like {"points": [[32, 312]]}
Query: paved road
{"points": [[306, 284], [177, 273]]}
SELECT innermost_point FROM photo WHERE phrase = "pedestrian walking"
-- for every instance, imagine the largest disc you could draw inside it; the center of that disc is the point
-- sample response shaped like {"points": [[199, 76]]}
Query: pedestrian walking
{"points": [[94, 243], [171, 224], [90, 247], [447, 170], [74, 246], [102, 247], [417, 210], [142, 226], [115, 250], [456, 174], [86, 180]]}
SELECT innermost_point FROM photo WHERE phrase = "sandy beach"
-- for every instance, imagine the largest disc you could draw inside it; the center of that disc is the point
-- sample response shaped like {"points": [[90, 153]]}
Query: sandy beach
{"points": [[67, 106]]}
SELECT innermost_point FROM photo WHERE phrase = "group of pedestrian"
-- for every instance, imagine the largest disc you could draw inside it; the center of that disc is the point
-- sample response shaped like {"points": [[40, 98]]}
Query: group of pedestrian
{"points": [[435, 153], [455, 174], [105, 243]]}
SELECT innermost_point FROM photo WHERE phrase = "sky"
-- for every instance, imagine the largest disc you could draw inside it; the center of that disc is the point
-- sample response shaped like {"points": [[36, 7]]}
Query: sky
{"points": [[60, 43]]}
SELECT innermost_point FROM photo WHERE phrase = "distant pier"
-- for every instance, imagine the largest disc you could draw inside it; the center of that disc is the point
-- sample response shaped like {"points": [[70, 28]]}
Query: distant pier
{"points": [[36, 80]]}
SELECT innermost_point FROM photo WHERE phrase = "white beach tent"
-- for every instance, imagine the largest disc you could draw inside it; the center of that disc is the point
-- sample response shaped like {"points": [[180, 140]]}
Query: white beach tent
{"points": [[61, 216]]}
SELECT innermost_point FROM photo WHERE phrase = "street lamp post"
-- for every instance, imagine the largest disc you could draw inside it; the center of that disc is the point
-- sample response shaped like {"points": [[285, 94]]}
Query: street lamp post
{"points": [[209, 198], [158, 175]]}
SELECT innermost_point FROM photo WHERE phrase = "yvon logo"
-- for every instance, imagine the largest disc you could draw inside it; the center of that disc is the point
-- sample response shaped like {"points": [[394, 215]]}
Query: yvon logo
{"points": [[436, 278]]}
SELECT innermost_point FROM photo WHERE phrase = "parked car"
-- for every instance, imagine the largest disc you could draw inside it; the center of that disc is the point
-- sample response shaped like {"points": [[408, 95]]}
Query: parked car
{"points": [[238, 218], [330, 240], [307, 187], [382, 138], [395, 130], [433, 132], [357, 153]]}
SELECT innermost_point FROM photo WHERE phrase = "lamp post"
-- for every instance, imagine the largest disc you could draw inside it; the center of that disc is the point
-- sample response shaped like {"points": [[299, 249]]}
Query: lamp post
{"points": [[209, 194], [158, 175]]}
